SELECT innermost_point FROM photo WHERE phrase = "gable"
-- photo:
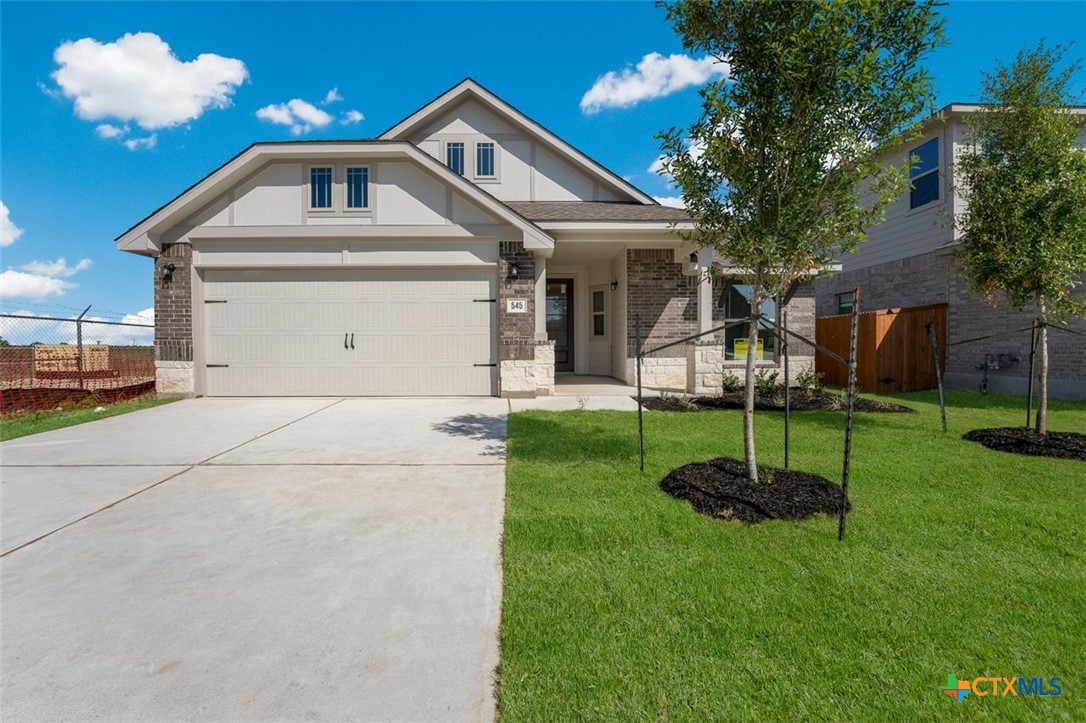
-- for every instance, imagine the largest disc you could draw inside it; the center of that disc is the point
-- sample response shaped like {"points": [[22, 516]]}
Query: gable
{"points": [[533, 164], [265, 190]]}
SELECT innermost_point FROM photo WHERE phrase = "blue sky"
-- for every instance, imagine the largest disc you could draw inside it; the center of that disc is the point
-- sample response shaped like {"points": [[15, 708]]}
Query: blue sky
{"points": [[70, 184]]}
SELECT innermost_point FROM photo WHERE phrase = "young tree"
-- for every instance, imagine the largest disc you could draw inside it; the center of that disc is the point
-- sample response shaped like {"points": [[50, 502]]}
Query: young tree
{"points": [[1023, 233], [787, 174]]}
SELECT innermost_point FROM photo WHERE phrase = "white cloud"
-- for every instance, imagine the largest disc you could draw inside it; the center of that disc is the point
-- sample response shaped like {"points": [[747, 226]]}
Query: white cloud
{"points": [[135, 144], [106, 130], [672, 201], [147, 316], [654, 77], [301, 116], [332, 96], [56, 269], [351, 117], [694, 149], [138, 78], [9, 232], [20, 285]]}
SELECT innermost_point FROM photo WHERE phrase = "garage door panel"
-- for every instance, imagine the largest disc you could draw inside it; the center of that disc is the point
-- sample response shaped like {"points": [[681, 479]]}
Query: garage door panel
{"points": [[416, 332]]}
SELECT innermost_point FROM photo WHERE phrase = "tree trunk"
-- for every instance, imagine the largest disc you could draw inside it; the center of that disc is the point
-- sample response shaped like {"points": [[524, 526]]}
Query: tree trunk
{"points": [[1042, 377], [748, 403]]}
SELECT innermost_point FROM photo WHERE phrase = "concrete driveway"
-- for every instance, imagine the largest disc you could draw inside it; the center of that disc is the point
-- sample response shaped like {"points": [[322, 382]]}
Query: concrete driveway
{"points": [[286, 559]]}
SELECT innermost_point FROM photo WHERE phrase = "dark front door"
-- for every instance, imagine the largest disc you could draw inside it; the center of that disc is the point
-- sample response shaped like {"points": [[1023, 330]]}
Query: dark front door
{"points": [[560, 322]]}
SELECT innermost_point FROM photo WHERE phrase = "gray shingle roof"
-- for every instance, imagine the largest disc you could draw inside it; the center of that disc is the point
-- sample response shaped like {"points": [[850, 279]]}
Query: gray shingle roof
{"points": [[543, 211]]}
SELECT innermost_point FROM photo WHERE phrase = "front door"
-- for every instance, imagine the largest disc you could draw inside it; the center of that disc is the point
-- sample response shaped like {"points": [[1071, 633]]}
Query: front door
{"points": [[560, 322]]}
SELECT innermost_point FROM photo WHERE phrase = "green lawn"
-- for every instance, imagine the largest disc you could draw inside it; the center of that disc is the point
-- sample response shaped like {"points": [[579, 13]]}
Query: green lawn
{"points": [[621, 603], [35, 422]]}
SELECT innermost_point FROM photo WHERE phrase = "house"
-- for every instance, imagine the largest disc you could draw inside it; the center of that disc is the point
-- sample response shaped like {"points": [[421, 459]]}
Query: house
{"points": [[908, 260], [465, 251]]}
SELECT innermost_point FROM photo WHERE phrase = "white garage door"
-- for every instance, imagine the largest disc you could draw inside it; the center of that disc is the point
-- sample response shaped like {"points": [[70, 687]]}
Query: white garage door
{"points": [[387, 332]]}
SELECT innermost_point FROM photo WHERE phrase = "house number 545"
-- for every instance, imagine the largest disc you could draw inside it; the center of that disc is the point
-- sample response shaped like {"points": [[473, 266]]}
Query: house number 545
{"points": [[516, 306]]}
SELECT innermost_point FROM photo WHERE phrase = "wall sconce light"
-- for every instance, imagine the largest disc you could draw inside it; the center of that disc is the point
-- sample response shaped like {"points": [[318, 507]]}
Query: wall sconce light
{"points": [[514, 271], [694, 257], [167, 272], [614, 286]]}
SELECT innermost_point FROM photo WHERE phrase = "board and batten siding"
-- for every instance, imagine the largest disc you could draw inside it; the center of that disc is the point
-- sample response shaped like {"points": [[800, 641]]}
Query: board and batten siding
{"points": [[527, 169]]}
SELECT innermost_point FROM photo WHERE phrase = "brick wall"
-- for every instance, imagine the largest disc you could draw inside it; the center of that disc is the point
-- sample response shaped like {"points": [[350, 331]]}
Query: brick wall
{"points": [[664, 298], [933, 278], [516, 332], [173, 304]]}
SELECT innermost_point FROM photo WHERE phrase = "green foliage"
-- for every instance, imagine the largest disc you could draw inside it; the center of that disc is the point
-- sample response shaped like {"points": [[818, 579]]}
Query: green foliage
{"points": [[729, 382], [1024, 183], [767, 383], [809, 381]]}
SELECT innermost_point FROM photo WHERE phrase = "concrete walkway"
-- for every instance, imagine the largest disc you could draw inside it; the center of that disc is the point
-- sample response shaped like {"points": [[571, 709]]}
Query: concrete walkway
{"points": [[278, 559]]}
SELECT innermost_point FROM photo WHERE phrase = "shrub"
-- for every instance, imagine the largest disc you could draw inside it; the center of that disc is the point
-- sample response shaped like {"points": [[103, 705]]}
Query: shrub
{"points": [[809, 381], [766, 384], [729, 382]]}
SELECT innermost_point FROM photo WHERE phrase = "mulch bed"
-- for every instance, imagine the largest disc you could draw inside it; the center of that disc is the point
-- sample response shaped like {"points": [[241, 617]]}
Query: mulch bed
{"points": [[801, 402], [719, 488], [1020, 440]]}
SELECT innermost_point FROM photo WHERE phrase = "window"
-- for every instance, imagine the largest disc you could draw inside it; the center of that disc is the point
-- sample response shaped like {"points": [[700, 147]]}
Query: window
{"points": [[925, 174], [320, 187], [735, 302], [358, 187], [844, 303], [484, 160], [454, 157], [599, 321]]}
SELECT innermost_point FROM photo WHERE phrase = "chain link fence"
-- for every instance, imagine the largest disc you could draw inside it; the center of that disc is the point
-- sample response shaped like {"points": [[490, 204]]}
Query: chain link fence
{"points": [[49, 362]]}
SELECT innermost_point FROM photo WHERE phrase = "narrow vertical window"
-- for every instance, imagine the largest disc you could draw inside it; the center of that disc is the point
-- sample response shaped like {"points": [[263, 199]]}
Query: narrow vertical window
{"points": [[320, 187], [925, 174], [599, 321], [484, 160], [358, 187], [454, 157]]}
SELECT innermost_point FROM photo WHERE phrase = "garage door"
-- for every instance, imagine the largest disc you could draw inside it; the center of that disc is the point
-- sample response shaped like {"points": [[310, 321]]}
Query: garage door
{"points": [[388, 332]]}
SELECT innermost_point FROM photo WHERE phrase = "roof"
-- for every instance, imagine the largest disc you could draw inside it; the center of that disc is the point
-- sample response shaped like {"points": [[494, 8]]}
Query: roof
{"points": [[139, 239], [542, 211], [468, 88]]}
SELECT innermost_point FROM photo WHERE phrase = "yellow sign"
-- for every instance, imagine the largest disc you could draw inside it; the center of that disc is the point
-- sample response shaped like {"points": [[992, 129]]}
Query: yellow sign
{"points": [[739, 349]]}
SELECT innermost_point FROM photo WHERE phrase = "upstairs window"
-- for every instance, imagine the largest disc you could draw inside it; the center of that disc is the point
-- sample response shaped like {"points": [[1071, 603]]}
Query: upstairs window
{"points": [[454, 157], [925, 174], [320, 187], [358, 187], [484, 160], [844, 303]]}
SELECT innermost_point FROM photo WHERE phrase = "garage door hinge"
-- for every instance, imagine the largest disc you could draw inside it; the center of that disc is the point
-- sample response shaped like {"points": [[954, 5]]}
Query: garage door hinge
{"points": [[484, 365], [217, 365], [214, 301], [485, 301]]}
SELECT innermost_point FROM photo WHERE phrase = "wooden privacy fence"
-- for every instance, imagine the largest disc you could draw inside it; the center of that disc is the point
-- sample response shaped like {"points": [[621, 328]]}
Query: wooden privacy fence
{"points": [[893, 352]]}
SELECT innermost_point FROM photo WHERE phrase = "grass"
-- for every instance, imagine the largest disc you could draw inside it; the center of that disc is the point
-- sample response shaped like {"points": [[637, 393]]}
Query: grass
{"points": [[36, 422], [621, 603]]}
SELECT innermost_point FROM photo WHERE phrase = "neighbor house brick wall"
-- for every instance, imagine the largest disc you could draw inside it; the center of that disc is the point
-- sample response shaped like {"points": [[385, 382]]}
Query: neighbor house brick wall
{"points": [[663, 298], [173, 304], [934, 278]]}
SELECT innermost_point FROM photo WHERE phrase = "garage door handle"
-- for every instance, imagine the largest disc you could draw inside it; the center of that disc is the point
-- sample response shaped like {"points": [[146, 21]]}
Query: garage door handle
{"points": [[344, 340], [352, 341]]}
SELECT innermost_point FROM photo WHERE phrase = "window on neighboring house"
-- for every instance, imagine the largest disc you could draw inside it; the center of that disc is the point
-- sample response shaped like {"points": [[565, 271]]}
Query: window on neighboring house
{"points": [[599, 321], [735, 302], [358, 187], [844, 303], [454, 156], [320, 187], [925, 174], [484, 160]]}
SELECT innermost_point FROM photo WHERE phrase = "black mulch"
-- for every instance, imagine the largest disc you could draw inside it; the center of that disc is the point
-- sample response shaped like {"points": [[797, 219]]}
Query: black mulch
{"points": [[801, 402], [719, 488], [1020, 440]]}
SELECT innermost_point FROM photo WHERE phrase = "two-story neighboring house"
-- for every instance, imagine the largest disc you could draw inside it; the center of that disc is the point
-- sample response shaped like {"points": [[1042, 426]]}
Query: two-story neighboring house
{"points": [[465, 251], [908, 260]]}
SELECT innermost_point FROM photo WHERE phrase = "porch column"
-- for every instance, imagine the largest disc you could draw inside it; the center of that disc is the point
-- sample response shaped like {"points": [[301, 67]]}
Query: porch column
{"points": [[540, 297], [705, 290]]}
